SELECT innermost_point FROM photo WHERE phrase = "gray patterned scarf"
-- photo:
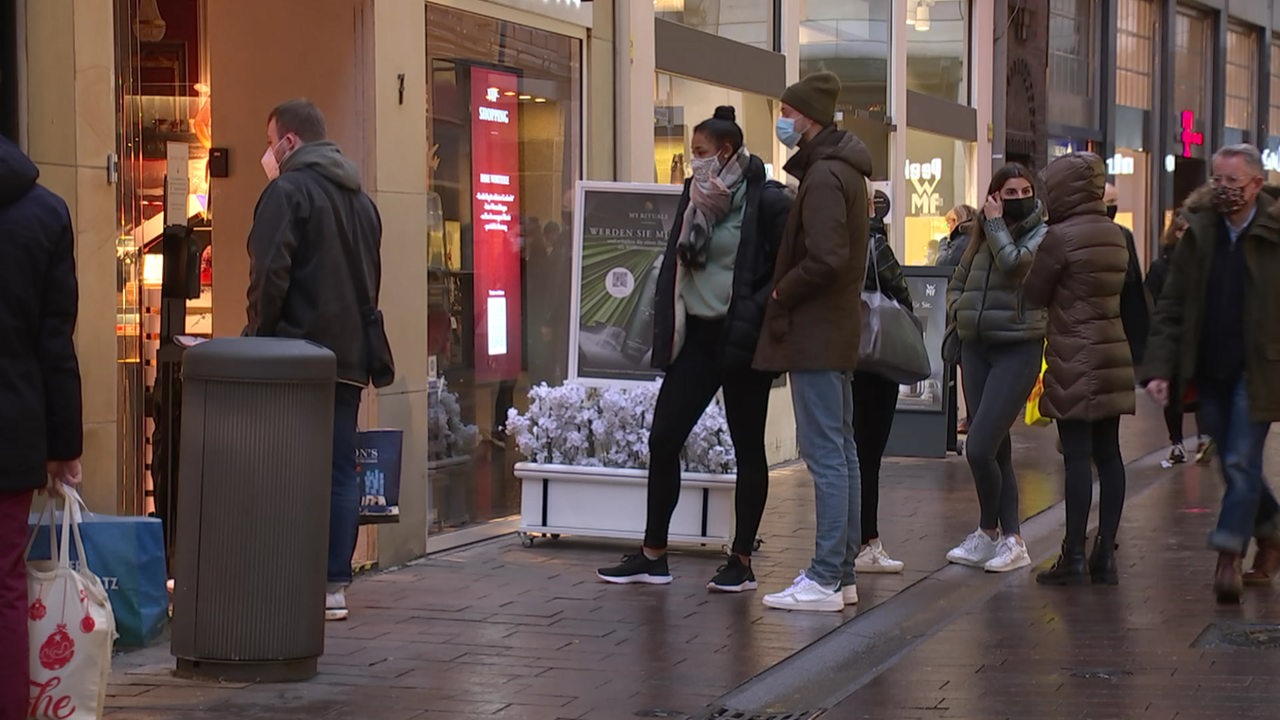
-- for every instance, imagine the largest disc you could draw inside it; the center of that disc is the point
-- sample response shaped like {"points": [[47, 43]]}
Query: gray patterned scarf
{"points": [[710, 199]]}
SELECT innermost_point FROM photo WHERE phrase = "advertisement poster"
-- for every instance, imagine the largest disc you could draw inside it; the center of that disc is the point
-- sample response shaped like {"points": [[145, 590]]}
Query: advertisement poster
{"points": [[619, 240], [928, 287], [495, 222]]}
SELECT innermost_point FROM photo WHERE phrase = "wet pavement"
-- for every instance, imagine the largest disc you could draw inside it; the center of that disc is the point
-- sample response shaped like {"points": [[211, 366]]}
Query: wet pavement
{"points": [[1156, 646], [502, 631]]}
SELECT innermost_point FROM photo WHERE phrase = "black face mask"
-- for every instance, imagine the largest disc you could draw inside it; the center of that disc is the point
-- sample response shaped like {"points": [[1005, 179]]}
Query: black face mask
{"points": [[1112, 210], [1015, 211]]}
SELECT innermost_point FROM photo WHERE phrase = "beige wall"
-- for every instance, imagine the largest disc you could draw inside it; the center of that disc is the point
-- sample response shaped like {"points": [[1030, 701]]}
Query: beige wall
{"points": [[348, 62], [398, 150], [70, 132], [256, 61]]}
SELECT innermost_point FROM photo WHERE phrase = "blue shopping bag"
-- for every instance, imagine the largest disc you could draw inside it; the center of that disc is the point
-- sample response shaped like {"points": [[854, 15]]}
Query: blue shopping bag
{"points": [[127, 554]]}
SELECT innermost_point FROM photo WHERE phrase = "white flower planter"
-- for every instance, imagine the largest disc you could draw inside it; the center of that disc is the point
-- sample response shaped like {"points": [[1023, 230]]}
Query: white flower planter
{"points": [[612, 502]]}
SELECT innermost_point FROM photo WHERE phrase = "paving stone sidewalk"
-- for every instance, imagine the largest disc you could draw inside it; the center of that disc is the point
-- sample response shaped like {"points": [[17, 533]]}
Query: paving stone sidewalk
{"points": [[501, 631], [1156, 646]]}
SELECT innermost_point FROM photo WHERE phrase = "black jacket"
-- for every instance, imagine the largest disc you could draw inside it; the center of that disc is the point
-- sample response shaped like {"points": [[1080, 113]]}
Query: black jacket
{"points": [[40, 410], [952, 247], [300, 284], [765, 209], [888, 271], [1135, 303], [1158, 273]]}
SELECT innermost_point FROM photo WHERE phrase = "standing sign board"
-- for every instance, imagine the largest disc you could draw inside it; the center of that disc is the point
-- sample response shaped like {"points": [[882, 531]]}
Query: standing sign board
{"points": [[920, 425], [620, 236]]}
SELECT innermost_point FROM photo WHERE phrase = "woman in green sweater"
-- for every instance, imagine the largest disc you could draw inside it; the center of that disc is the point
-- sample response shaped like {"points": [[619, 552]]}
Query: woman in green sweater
{"points": [[712, 290]]}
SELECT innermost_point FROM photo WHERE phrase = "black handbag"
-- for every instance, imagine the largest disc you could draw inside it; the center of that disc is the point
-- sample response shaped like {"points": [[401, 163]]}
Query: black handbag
{"points": [[381, 363]]}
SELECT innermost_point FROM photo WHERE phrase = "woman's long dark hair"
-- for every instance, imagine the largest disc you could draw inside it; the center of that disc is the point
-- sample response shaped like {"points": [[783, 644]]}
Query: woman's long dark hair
{"points": [[978, 239]]}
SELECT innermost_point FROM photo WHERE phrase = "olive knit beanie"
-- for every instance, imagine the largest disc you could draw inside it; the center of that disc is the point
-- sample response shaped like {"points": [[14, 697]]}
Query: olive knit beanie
{"points": [[815, 97]]}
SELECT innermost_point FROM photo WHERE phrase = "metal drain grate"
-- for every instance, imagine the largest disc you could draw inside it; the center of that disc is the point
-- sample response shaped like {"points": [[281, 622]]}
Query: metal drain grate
{"points": [[1098, 673], [724, 713], [1257, 636]]}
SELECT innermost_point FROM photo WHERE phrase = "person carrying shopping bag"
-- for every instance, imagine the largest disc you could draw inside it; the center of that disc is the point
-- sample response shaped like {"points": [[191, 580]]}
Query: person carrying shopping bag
{"points": [[40, 405]]}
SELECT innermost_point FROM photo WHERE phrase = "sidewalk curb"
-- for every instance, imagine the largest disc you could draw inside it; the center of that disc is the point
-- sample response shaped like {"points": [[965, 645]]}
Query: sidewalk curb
{"points": [[830, 670]]}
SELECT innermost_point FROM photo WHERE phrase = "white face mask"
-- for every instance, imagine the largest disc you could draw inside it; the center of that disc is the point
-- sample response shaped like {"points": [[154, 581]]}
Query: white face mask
{"points": [[705, 168], [270, 165]]}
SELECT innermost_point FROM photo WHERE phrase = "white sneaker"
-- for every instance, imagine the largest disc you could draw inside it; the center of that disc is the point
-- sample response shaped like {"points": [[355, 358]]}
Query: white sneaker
{"points": [[975, 551], [335, 605], [849, 594], [1011, 555], [805, 594], [873, 559]]}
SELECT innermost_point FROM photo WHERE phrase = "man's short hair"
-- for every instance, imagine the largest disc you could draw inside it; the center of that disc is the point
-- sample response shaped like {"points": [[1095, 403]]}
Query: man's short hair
{"points": [[1248, 152], [301, 117]]}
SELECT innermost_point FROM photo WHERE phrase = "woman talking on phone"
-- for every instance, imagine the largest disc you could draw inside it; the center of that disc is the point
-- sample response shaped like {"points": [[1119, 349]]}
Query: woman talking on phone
{"points": [[715, 280], [1002, 343]]}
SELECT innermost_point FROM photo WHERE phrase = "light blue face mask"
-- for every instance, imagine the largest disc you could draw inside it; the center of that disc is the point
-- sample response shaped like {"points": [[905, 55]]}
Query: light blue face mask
{"points": [[786, 131]]}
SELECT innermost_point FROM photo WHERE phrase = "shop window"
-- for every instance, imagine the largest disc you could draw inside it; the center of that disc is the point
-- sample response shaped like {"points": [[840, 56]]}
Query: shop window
{"points": [[1129, 170], [504, 125], [163, 97], [1135, 53], [1273, 113], [1072, 63], [1242, 80], [937, 173], [1193, 60], [750, 22], [938, 37], [681, 103], [850, 39], [9, 71]]}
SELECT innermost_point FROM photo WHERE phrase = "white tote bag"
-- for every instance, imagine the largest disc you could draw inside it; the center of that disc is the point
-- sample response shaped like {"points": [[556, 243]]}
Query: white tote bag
{"points": [[70, 625]]}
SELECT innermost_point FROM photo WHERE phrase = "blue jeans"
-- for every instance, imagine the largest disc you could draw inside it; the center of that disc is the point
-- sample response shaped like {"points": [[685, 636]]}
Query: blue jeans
{"points": [[823, 403], [344, 498], [1249, 507]]}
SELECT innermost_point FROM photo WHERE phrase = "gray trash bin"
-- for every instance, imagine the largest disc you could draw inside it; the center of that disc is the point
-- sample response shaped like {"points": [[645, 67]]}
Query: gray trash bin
{"points": [[253, 509]]}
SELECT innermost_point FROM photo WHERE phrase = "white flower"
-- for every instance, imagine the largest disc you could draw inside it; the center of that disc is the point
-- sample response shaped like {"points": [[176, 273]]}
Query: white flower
{"points": [[576, 425]]}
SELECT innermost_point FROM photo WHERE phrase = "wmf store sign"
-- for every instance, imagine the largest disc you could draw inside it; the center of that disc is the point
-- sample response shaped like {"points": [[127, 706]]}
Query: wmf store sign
{"points": [[924, 178]]}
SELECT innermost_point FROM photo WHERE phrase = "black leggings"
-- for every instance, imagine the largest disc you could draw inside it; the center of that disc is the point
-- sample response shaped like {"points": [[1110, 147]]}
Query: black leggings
{"points": [[1173, 418], [1097, 443], [875, 399], [997, 380], [689, 386]]}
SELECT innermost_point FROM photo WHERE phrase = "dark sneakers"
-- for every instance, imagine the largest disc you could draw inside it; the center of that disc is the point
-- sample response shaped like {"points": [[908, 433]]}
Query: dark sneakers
{"points": [[637, 569], [734, 576]]}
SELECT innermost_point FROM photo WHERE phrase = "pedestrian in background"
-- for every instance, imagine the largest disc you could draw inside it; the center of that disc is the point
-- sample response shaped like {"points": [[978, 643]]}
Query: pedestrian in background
{"points": [[960, 220], [1002, 343], [1079, 275], [875, 402], [311, 217], [1156, 276], [1135, 302], [41, 435], [1215, 326], [713, 286], [812, 327]]}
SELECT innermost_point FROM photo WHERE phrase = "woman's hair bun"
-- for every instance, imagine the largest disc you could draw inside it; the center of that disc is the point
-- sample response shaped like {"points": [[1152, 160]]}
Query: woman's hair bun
{"points": [[726, 112]]}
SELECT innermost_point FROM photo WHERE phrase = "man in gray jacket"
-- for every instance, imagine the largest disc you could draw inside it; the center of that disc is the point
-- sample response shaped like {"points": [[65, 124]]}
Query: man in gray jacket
{"points": [[311, 217]]}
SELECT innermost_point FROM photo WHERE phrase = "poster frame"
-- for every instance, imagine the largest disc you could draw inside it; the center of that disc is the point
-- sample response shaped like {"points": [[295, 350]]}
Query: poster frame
{"points": [[575, 309]]}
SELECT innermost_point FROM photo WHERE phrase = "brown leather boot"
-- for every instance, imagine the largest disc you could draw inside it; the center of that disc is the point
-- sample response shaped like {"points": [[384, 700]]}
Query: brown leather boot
{"points": [[1227, 584], [1265, 563]]}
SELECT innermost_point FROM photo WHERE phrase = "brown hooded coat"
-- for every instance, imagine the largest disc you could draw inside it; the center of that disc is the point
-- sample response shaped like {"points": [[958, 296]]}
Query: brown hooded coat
{"points": [[1078, 275]]}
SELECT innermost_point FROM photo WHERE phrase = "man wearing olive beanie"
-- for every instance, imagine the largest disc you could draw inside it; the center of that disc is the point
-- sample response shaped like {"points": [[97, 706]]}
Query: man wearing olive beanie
{"points": [[812, 325]]}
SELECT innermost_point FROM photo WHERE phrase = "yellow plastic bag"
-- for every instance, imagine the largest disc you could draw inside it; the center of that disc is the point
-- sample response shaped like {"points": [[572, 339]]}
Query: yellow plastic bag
{"points": [[1033, 416]]}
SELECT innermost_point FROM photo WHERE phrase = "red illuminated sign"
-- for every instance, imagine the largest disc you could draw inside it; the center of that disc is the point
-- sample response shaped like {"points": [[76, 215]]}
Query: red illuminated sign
{"points": [[495, 222], [1189, 137]]}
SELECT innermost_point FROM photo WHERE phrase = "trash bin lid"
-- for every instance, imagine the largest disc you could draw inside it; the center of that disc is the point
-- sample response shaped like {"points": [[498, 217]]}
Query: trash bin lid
{"points": [[258, 359]]}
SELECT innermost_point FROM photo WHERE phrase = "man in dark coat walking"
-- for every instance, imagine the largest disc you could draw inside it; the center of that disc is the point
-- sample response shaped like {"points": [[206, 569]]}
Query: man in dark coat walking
{"points": [[1216, 327], [40, 413], [311, 217]]}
